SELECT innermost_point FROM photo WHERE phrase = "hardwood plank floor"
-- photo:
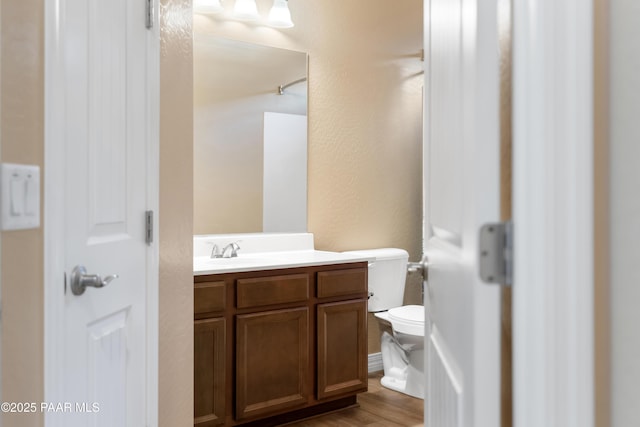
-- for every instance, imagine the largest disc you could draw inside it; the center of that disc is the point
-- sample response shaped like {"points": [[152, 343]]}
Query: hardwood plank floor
{"points": [[379, 407]]}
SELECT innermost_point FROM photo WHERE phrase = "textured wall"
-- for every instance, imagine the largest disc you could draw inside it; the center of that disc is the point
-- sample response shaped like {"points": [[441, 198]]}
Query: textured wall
{"points": [[22, 124], [176, 215], [365, 116], [601, 269]]}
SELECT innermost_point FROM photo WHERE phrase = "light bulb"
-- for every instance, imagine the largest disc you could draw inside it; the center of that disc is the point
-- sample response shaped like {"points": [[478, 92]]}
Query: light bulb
{"points": [[207, 6], [280, 16], [245, 10]]}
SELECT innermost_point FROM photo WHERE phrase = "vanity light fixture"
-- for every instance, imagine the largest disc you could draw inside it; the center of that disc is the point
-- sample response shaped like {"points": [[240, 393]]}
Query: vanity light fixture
{"points": [[245, 10], [207, 6], [280, 16]]}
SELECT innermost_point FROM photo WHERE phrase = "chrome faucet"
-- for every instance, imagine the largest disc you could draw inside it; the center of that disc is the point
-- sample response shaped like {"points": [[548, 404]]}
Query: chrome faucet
{"points": [[231, 250]]}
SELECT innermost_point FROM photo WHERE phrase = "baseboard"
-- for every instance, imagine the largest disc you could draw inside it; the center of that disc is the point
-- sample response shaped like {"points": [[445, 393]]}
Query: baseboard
{"points": [[375, 362]]}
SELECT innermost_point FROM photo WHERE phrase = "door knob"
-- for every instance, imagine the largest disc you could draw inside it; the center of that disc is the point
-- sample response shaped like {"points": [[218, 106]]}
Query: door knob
{"points": [[80, 280]]}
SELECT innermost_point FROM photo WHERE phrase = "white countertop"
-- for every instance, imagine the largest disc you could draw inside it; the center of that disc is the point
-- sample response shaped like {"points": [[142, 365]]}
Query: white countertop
{"points": [[272, 260]]}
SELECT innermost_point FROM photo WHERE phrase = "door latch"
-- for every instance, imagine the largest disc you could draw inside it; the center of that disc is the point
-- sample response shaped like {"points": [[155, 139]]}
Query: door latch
{"points": [[421, 267]]}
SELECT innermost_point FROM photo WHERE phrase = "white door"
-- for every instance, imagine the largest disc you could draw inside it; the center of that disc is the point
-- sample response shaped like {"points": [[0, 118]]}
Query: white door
{"points": [[101, 62], [461, 193]]}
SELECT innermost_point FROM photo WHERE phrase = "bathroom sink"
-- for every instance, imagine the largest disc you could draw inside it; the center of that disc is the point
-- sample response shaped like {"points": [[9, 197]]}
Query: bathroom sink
{"points": [[262, 251]]}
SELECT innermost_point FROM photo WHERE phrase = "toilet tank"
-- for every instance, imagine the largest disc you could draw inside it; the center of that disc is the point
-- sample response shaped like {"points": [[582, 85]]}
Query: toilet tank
{"points": [[387, 276]]}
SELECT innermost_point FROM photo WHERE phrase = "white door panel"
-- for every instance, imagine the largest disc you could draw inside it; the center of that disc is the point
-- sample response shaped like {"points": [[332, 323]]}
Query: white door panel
{"points": [[450, 301], [104, 48], [446, 130], [446, 406], [461, 193]]}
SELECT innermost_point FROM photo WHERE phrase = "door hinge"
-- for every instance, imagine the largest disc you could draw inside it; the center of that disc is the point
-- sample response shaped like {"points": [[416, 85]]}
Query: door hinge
{"points": [[496, 253], [148, 238], [149, 13]]}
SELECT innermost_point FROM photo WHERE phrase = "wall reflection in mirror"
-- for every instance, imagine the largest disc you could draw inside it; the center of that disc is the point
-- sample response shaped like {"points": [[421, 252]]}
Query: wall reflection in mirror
{"points": [[250, 137]]}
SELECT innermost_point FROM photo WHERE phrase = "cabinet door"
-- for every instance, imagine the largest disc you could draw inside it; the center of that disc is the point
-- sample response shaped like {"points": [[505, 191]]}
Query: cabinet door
{"points": [[342, 348], [272, 361], [209, 372]]}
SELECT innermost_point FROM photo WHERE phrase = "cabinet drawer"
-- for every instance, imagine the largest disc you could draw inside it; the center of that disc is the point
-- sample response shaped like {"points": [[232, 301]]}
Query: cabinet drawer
{"points": [[342, 282], [263, 291], [209, 297]]}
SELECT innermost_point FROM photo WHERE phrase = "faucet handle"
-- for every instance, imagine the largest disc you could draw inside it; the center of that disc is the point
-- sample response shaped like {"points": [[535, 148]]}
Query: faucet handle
{"points": [[235, 247], [232, 247], [215, 252]]}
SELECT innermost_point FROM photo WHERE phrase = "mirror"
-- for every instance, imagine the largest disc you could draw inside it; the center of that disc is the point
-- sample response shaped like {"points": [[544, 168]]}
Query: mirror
{"points": [[250, 137]]}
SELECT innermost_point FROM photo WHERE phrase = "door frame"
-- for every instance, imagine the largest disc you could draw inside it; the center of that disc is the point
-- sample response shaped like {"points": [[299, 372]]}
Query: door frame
{"points": [[54, 210], [553, 190]]}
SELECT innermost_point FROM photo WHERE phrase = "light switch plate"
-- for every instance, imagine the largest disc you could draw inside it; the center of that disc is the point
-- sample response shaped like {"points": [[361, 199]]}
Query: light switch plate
{"points": [[20, 202]]}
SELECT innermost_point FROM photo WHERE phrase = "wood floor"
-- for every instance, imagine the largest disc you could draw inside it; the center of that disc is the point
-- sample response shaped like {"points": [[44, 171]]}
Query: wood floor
{"points": [[379, 407]]}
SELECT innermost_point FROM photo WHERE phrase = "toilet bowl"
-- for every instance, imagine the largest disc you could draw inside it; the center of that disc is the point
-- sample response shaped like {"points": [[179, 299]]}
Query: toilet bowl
{"points": [[402, 327], [402, 347]]}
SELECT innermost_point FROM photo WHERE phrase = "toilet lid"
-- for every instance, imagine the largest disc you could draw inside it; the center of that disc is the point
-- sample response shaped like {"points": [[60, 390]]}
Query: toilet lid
{"points": [[408, 319]]}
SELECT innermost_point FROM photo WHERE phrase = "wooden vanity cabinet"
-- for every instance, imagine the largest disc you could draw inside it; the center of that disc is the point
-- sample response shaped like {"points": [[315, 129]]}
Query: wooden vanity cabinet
{"points": [[272, 362], [209, 341], [341, 343], [278, 345]]}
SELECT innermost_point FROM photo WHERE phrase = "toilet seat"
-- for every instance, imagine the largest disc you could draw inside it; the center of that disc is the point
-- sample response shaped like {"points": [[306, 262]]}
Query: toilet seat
{"points": [[408, 319]]}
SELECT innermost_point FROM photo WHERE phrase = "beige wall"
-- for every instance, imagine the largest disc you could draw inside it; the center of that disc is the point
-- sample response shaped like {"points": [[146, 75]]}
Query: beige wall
{"points": [[22, 124], [176, 215], [601, 269], [365, 116]]}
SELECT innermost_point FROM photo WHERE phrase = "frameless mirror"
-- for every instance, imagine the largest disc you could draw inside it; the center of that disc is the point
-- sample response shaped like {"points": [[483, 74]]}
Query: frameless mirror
{"points": [[250, 137]]}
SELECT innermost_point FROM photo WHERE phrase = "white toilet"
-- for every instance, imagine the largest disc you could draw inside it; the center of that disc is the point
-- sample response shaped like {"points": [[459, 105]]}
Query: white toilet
{"points": [[402, 340]]}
